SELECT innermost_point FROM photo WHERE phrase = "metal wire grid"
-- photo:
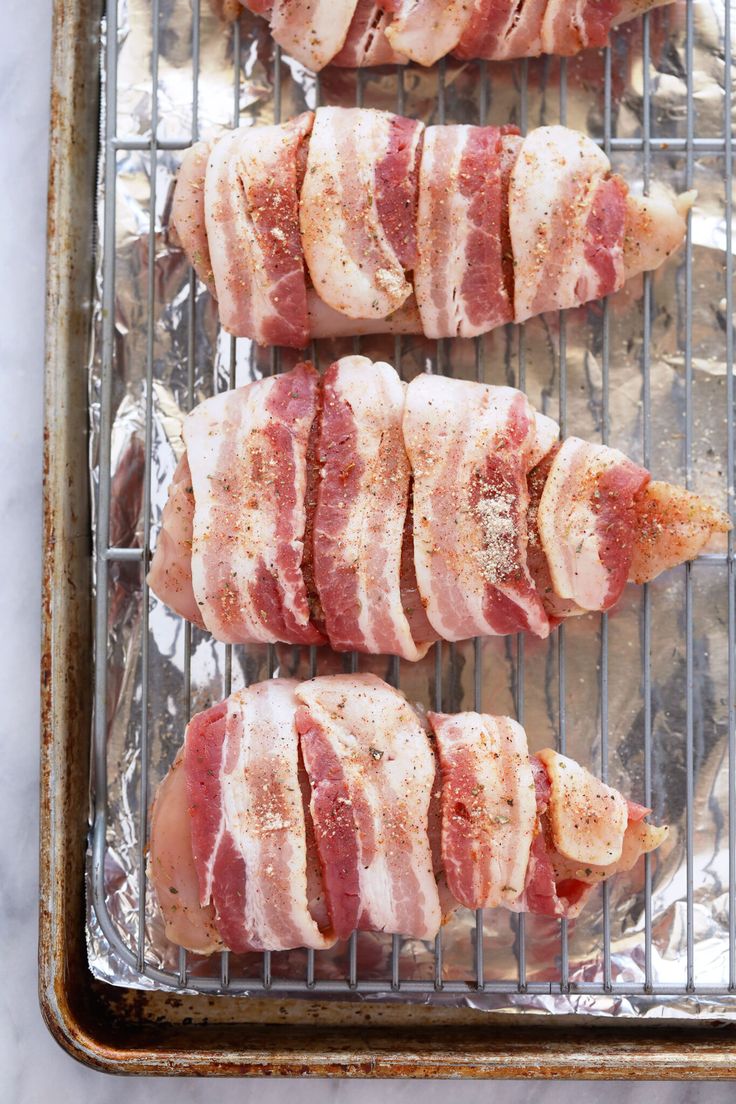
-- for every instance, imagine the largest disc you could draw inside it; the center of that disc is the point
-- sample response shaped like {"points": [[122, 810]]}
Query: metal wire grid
{"points": [[691, 145]]}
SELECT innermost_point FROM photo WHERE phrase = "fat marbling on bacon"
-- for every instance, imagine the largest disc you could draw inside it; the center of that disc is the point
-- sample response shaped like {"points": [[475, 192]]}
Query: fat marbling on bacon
{"points": [[358, 209], [471, 447], [423, 31], [366, 43], [586, 832], [533, 834], [250, 198], [489, 810], [450, 236], [566, 221], [587, 521], [248, 828], [361, 505], [247, 452], [251, 851], [464, 278], [371, 772]]}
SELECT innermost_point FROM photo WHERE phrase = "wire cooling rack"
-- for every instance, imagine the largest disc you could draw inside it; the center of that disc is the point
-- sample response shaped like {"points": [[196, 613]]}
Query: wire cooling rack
{"points": [[576, 350]]}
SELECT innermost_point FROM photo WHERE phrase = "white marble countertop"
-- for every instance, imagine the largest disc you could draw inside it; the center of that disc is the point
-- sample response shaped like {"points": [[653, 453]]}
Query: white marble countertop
{"points": [[32, 1067]]}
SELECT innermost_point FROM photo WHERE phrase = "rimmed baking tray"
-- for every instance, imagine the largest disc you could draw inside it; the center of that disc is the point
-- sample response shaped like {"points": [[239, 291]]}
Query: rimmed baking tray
{"points": [[133, 1030]]}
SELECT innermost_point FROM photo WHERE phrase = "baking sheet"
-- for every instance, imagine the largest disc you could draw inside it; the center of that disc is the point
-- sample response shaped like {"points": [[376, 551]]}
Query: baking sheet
{"points": [[641, 696]]}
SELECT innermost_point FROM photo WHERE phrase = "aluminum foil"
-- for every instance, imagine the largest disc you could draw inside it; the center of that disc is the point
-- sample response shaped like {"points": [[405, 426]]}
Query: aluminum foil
{"points": [[641, 696]]}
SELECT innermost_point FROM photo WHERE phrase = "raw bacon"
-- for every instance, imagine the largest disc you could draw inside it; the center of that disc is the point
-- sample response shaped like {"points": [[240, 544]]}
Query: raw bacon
{"points": [[499, 30], [489, 809], [487, 226], [248, 829], [257, 847], [247, 453], [426, 30], [366, 43], [470, 448], [361, 505], [312, 32], [358, 209], [464, 277], [253, 232], [580, 819], [423, 31], [371, 771], [587, 522], [567, 219]]}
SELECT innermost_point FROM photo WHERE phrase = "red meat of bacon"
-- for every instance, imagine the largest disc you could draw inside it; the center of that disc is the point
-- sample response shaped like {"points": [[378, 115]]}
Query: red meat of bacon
{"points": [[249, 837], [470, 448], [371, 772], [361, 505], [247, 453]]}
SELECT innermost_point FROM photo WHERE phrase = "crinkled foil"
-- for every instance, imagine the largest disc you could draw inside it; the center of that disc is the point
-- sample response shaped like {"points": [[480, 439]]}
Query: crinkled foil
{"points": [[642, 697]]}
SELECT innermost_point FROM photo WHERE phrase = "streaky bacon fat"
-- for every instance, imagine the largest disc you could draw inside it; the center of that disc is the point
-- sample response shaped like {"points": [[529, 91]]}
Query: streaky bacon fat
{"points": [[358, 209], [464, 276], [361, 506], [489, 809], [312, 32], [587, 522], [248, 826], [251, 192], [366, 43], [503, 30], [558, 884], [567, 219], [371, 772], [426, 30], [247, 452], [470, 447]]}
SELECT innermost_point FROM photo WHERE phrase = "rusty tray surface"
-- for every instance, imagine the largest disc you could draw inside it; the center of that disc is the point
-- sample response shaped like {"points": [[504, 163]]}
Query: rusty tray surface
{"points": [[134, 1031]]}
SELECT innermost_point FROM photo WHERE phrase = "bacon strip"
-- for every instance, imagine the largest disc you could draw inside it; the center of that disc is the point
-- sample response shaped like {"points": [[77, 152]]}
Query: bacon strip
{"points": [[247, 453], [312, 32], [470, 448], [499, 30], [489, 809], [575, 816], [253, 848], [361, 506], [570, 26], [567, 220], [358, 209], [371, 771], [426, 30], [253, 232], [587, 522], [366, 43], [248, 827], [464, 277]]}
